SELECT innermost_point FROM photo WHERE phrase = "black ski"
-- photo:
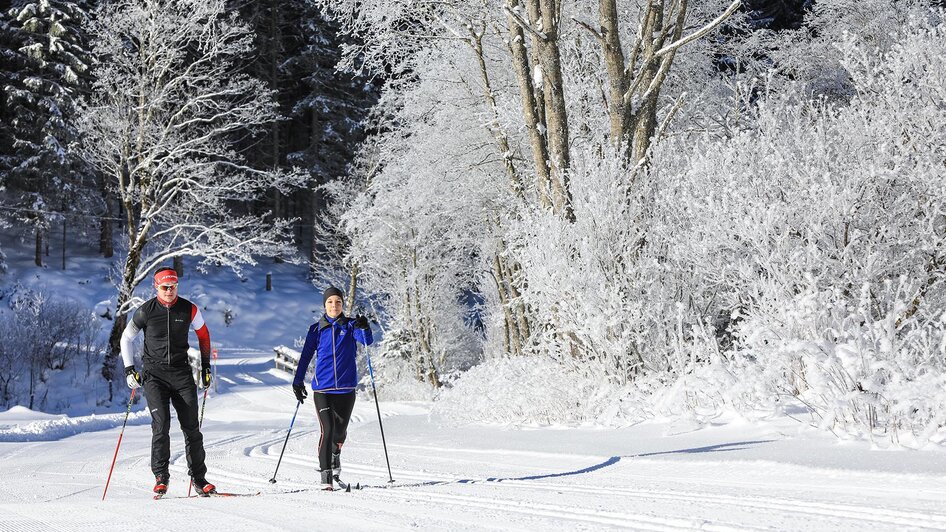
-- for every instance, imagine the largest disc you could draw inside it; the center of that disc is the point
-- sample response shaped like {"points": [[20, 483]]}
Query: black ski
{"points": [[345, 485]]}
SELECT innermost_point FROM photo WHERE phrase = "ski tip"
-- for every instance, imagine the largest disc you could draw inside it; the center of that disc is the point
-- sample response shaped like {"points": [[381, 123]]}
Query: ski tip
{"points": [[348, 489]]}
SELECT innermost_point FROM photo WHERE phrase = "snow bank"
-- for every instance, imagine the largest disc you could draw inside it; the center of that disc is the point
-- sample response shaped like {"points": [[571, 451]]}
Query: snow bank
{"points": [[525, 391], [63, 427]]}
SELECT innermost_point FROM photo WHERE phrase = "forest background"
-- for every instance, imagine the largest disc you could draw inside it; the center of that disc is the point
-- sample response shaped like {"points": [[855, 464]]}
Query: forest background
{"points": [[633, 209]]}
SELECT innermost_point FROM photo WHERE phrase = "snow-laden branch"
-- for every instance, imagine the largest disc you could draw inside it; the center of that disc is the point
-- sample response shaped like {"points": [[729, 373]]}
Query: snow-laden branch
{"points": [[710, 26], [524, 24]]}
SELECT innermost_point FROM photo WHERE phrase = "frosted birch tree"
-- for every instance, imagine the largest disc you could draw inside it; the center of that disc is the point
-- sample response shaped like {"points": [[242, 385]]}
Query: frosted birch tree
{"points": [[527, 68], [168, 108]]}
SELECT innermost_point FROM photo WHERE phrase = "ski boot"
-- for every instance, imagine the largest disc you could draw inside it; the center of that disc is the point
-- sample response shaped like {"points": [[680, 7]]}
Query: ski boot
{"points": [[327, 480], [204, 488], [337, 461], [161, 485]]}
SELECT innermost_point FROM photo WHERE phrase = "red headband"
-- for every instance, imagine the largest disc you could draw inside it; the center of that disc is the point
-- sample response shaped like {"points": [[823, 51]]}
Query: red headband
{"points": [[165, 277]]}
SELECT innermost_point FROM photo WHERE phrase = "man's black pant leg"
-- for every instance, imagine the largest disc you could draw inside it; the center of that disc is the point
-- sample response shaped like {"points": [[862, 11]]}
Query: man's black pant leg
{"points": [[157, 393], [184, 399]]}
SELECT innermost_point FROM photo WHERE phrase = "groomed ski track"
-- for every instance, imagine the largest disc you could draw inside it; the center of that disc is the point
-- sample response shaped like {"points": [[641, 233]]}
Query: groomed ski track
{"points": [[652, 477]]}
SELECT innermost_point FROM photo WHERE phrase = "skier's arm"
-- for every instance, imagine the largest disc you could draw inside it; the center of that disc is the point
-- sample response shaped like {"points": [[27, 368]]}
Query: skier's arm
{"points": [[128, 338], [203, 335], [203, 340], [308, 349]]}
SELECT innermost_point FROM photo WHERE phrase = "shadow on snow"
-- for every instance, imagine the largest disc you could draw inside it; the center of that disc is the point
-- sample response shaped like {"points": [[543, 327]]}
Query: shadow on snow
{"points": [[717, 448]]}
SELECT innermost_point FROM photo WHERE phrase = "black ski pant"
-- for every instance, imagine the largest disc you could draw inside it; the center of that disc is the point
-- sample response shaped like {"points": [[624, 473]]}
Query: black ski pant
{"points": [[334, 410], [171, 385]]}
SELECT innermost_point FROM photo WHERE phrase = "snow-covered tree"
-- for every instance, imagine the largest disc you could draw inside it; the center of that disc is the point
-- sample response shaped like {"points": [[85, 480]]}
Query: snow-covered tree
{"points": [[816, 237], [488, 106], [787, 215], [41, 98], [168, 105]]}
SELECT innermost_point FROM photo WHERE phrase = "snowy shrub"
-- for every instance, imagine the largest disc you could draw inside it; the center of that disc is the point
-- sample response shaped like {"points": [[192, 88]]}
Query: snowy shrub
{"points": [[539, 391], [395, 375], [858, 370], [39, 336], [528, 390], [12, 363], [823, 229], [592, 282]]}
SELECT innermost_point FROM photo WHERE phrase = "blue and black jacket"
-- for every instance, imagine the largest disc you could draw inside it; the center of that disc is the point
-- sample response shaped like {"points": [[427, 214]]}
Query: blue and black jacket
{"points": [[332, 341]]}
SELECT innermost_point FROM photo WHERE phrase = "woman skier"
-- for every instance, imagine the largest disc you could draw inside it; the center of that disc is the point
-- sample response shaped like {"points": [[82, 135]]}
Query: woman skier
{"points": [[332, 341]]}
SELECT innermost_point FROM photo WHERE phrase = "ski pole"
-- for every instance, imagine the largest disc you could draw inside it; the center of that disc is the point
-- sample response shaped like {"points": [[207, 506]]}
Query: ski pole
{"points": [[291, 423], [120, 434], [378, 408], [200, 423]]}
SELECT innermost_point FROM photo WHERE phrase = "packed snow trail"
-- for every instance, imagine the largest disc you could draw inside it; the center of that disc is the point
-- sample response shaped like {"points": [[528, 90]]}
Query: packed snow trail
{"points": [[658, 476]]}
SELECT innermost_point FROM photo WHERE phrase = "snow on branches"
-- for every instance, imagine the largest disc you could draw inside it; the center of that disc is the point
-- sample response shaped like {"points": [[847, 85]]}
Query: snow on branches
{"points": [[164, 122]]}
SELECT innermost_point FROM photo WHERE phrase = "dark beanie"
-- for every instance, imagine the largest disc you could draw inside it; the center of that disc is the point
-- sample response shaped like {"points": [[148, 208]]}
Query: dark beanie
{"points": [[329, 292]]}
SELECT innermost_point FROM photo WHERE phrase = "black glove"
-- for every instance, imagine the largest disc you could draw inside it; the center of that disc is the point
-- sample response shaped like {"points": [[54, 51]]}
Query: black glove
{"points": [[206, 376], [300, 391], [132, 377], [361, 322]]}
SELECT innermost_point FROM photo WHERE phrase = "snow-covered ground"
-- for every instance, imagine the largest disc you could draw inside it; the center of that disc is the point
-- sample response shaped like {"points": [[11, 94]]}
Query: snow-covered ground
{"points": [[653, 476], [735, 475]]}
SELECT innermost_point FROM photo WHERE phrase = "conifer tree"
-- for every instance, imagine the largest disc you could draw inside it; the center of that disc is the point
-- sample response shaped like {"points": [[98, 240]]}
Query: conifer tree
{"points": [[49, 53]]}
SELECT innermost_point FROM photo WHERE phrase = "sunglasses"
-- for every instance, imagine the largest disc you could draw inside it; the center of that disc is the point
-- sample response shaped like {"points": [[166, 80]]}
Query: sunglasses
{"points": [[167, 287]]}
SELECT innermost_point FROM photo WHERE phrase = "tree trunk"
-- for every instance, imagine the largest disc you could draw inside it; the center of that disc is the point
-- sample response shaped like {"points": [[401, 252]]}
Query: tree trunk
{"points": [[125, 291], [106, 247], [641, 124], [179, 266], [531, 108], [279, 207], [515, 183], [520, 324], [38, 256], [535, 17], [614, 62], [556, 119], [352, 290], [315, 207], [63, 237], [522, 315], [513, 344], [644, 125]]}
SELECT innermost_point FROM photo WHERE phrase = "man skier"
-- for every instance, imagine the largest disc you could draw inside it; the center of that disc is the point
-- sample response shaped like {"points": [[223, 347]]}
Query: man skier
{"points": [[167, 377], [332, 341]]}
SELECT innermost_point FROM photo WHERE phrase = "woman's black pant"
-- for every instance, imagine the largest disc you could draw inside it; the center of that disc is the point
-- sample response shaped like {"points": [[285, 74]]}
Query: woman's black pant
{"points": [[334, 410]]}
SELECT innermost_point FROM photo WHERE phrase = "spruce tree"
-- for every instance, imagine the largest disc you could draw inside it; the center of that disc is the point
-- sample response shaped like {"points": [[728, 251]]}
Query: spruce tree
{"points": [[324, 109], [49, 52]]}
